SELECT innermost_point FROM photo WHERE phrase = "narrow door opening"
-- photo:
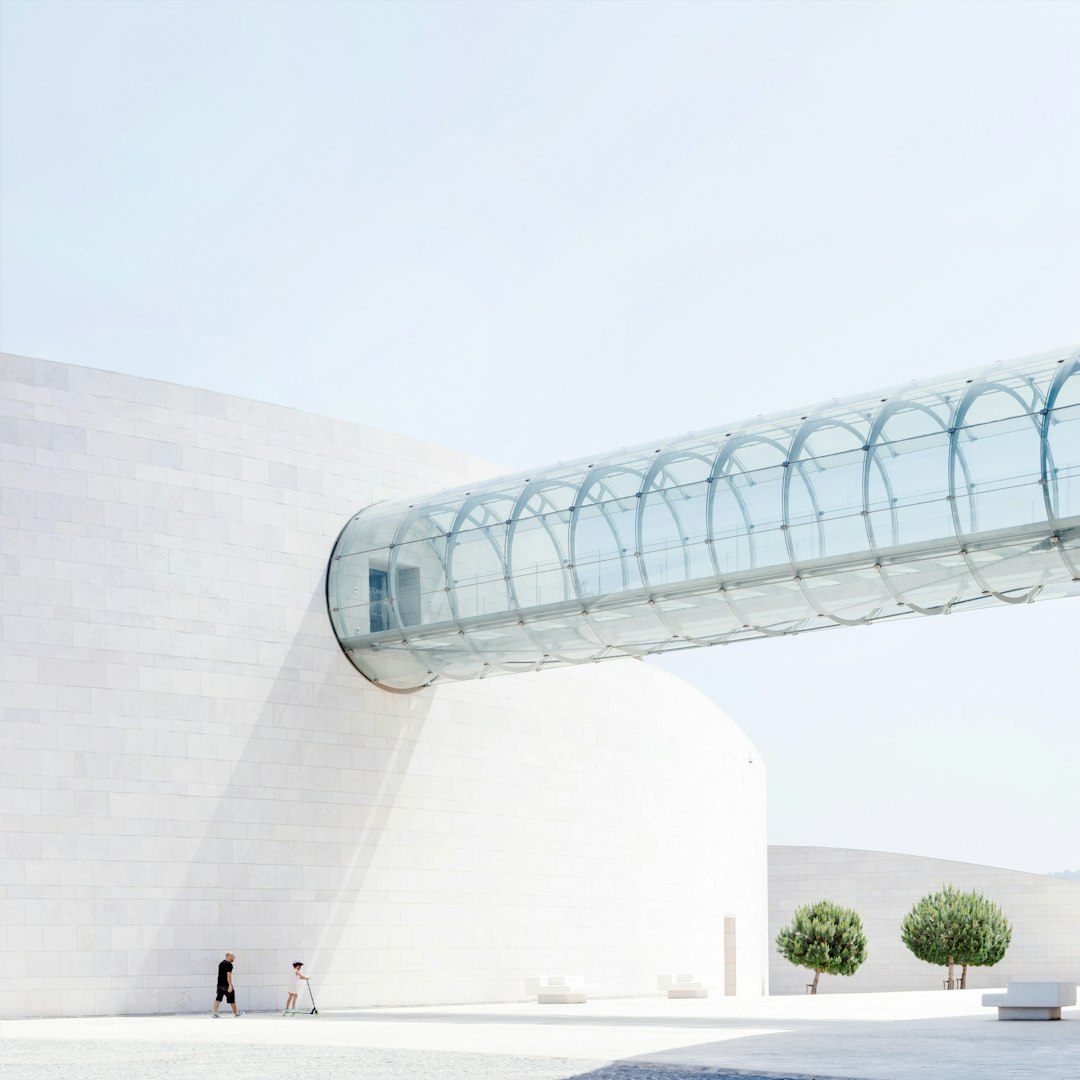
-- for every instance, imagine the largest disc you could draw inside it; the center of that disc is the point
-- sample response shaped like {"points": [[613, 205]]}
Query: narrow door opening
{"points": [[729, 956]]}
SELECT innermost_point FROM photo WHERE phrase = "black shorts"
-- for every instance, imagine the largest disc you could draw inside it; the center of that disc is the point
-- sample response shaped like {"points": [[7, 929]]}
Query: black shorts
{"points": [[227, 994]]}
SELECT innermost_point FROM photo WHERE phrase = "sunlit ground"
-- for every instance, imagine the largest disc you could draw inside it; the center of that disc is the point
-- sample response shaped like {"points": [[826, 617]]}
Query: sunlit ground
{"points": [[865, 1036]]}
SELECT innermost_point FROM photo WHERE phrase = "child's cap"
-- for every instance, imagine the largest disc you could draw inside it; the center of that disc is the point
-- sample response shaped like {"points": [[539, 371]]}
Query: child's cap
{"points": [[298, 963]]}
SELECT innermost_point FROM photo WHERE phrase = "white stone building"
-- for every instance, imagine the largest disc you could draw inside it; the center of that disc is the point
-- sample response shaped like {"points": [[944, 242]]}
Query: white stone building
{"points": [[190, 765]]}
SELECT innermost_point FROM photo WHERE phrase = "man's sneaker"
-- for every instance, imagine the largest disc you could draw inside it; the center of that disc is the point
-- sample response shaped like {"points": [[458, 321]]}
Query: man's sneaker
{"points": [[216, 1016], [239, 1014]]}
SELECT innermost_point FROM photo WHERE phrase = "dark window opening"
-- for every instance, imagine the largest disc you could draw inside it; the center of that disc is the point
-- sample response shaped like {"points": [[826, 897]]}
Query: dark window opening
{"points": [[406, 598], [379, 598]]}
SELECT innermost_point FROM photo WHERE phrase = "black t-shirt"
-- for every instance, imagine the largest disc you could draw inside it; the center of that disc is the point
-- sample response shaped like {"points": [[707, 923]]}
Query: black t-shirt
{"points": [[223, 970]]}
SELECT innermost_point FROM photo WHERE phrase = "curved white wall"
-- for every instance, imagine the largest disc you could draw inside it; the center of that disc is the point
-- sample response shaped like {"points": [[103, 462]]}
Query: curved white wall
{"points": [[882, 887], [189, 765]]}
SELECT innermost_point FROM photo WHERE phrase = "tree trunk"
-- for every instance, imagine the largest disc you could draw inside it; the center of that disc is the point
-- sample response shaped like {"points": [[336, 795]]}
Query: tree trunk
{"points": [[963, 977], [951, 984], [817, 975]]}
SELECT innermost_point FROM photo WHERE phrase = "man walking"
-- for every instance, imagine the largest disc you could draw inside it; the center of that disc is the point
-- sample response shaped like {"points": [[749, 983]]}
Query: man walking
{"points": [[225, 988]]}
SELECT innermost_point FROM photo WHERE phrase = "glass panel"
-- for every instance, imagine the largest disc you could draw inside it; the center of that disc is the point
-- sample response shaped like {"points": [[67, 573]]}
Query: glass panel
{"points": [[775, 607], [571, 640], [477, 568], [538, 544], [603, 534], [703, 619], [828, 504], [1017, 570], [674, 510], [354, 624], [448, 657], [1063, 444], [397, 667], [853, 594], [997, 468], [543, 589], [634, 628], [758, 500], [930, 582], [600, 572], [346, 585], [908, 487], [419, 567], [505, 646], [674, 535], [732, 528], [370, 530]]}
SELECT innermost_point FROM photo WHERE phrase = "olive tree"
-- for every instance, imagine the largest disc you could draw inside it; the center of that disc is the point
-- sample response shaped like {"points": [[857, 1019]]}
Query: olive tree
{"points": [[825, 937], [950, 927]]}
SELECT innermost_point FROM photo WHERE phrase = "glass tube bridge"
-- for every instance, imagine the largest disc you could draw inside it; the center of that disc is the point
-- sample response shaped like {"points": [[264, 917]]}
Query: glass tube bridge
{"points": [[940, 496]]}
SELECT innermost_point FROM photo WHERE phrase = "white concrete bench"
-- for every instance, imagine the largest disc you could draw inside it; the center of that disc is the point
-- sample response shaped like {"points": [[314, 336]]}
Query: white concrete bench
{"points": [[1025, 1000], [558, 989], [683, 986]]}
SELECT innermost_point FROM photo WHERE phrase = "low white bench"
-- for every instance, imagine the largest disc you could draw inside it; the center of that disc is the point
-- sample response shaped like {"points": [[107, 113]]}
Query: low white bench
{"points": [[682, 986], [558, 989], [1025, 1000]]}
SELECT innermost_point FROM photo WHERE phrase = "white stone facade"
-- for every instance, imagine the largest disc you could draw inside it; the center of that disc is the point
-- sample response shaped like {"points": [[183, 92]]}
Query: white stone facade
{"points": [[189, 764], [882, 887]]}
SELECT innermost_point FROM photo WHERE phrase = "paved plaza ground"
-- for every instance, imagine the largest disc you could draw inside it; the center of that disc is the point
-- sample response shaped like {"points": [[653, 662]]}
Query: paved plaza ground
{"points": [[912, 1036]]}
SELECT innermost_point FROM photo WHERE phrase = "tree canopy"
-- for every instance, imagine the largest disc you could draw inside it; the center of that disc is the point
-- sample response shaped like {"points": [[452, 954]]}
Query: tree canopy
{"points": [[950, 927], [825, 937]]}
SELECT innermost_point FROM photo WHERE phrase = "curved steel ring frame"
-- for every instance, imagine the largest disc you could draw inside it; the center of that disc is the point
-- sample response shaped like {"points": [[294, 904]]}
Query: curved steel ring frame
{"points": [[935, 497]]}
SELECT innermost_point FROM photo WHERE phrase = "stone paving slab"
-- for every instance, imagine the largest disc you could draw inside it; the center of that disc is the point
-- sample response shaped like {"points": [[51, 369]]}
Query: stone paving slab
{"points": [[830, 1037]]}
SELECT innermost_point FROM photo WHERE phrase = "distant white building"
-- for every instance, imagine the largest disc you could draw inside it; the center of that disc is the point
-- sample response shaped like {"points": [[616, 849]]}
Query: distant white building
{"points": [[189, 764], [882, 887]]}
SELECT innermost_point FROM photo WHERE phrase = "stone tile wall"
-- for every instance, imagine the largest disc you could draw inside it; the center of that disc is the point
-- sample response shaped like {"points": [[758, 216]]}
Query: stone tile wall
{"points": [[189, 764]]}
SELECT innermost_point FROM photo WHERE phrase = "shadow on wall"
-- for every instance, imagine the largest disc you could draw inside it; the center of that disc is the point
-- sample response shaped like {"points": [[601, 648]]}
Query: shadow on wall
{"points": [[268, 878]]}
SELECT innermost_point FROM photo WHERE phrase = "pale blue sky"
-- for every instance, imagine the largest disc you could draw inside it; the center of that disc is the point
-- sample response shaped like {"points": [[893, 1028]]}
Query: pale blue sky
{"points": [[534, 231]]}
